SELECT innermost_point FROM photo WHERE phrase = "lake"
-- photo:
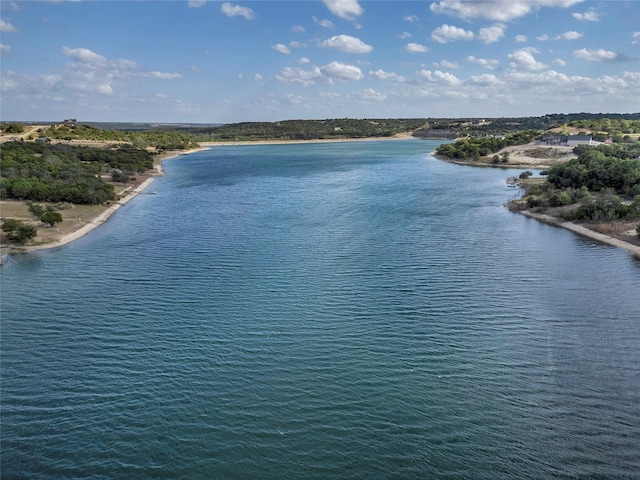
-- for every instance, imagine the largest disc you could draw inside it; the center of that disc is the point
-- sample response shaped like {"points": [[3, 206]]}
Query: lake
{"points": [[321, 311]]}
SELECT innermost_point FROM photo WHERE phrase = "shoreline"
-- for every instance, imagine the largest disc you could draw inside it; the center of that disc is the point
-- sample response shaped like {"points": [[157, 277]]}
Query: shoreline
{"points": [[584, 231], [159, 171]]}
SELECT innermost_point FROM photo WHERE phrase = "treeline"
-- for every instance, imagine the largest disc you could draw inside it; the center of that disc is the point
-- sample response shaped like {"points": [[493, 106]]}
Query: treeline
{"points": [[602, 184], [308, 129], [62, 173], [476, 147], [159, 139]]}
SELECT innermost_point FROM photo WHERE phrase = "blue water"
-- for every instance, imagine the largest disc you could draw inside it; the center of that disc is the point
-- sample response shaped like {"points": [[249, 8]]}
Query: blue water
{"points": [[321, 311]]}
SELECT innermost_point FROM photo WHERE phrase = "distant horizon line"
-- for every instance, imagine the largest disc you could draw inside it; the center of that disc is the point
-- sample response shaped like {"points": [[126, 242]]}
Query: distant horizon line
{"points": [[153, 122]]}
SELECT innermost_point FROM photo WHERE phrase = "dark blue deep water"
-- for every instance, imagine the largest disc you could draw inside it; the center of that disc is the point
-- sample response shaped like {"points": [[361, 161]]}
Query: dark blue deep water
{"points": [[321, 311]]}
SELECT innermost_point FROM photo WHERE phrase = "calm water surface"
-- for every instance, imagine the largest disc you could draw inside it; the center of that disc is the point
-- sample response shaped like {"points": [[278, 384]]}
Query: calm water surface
{"points": [[318, 311]]}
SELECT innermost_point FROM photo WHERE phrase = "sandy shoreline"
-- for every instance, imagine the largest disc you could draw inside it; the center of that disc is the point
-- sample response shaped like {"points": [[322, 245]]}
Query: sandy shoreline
{"points": [[104, 216], [579, 229]]}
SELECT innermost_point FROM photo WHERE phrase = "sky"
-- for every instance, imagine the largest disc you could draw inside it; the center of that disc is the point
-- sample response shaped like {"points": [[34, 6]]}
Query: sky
{"points": [[205, 61]]}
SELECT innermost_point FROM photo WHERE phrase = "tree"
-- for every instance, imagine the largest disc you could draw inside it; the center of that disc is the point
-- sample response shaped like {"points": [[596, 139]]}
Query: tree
{"points": [[118, 176], [51, 217], [35, 209], [526, 174], [18, 231]]}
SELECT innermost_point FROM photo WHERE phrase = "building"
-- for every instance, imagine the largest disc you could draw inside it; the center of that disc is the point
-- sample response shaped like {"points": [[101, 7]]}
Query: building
{"points": [[567, 140]]}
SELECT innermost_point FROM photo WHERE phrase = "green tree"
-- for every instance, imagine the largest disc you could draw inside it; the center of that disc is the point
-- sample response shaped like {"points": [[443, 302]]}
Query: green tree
{"points": [[35, 209], [18, 231], [51, 217]]}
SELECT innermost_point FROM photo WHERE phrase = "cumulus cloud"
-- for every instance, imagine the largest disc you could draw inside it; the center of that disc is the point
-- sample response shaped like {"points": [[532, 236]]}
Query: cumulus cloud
{"points": [[589, 16], [279, 47], [520, 38], [347, 43], [4, 49], [560, 62], [415, 48], [196, 3], [571, 35], [487, 63], [446, 64], [496, 10], [636, 37], [491, 34], [599, 55], [341, 71], [411, 19], [237, 11], [326, 73], [382, 75], [7, 27], [449, 33], [346, 9], [369, 95], [543, 38], [523, 60], [484, 80], [438, 76]]}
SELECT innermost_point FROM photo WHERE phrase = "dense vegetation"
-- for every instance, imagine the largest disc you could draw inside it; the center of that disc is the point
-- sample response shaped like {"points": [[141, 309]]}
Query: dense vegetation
{"points": [[309, 129], [159, 139], [62, 173], [602, 184], [474, 148]]}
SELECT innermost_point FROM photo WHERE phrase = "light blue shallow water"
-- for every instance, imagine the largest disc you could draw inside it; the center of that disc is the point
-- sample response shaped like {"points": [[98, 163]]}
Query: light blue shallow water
{"points": [[355, 310]]}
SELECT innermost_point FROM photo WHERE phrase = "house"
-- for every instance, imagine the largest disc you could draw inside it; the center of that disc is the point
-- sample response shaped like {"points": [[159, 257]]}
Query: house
{"points": [[567, 140], [70, 122]]}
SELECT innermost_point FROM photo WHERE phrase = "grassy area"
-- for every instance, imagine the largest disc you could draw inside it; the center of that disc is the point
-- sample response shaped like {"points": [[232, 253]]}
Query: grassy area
{"points": [[73, 218]]}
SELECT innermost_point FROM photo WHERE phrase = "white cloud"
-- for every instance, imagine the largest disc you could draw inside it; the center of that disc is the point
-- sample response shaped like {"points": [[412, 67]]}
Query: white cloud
{"points": [[196, 3], [298, 29], [369, 95], [491, 34], [444, 78], [520, 38], [496, 10], [279, 47], [599, 55], [7, 27], [523, 60], [636, 37], [589, 16], [236, 10], [382, 75], [487, 63], [484, 80], [257, 77], [84, 55], [570, 35], [543, 38], [4, 49], [347, 43], [347, 9], [405, 35], [326, 73], [449, 33], [304, 60], [447, 64], [415, 48], [411, 19], [162, 75], [324, 23], [560, 62], [341, 71]]}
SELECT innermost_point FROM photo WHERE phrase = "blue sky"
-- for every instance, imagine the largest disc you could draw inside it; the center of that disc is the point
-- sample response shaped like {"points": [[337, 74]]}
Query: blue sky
{"points": [[211, 61]]}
